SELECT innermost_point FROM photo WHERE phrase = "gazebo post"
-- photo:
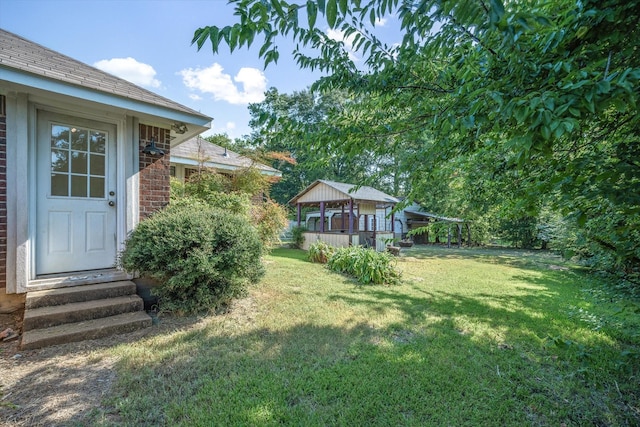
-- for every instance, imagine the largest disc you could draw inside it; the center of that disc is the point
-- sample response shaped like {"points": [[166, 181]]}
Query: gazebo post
{"points": [[299, 214], [322, 217], [459, 235], [342, 216], [393, 222], [375, 227], [449, 236], [350, 216]]}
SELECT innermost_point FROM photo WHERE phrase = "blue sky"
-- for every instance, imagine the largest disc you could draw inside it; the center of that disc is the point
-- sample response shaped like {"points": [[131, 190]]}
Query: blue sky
{"points": [[148, 42]]}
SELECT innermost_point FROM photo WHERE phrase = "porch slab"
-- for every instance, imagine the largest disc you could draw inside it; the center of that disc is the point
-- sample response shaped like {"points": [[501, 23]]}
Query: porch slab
{"points": [[86, 330]]}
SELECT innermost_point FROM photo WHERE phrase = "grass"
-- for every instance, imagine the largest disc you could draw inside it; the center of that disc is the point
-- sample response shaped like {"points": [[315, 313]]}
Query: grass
{"points": [[470, 337]]}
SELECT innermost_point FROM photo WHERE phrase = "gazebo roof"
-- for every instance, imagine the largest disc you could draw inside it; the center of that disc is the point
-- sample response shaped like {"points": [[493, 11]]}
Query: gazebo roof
{"points": [[329, 191], [434, 216]]}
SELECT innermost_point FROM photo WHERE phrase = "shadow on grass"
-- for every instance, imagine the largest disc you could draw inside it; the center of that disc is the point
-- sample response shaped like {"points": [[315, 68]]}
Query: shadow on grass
{"points": [[323, 375], [522, 258], [452, 360]]}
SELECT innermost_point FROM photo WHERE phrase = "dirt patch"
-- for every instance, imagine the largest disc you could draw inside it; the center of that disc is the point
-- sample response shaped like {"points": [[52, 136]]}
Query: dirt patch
{"points": [[64, 384]]}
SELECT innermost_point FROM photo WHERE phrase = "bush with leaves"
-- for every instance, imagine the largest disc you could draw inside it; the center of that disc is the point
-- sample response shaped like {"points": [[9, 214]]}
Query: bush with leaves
{"points": [[235, 194], [297, 237], [270, 219], [320, 252], [203, 257], [366, 265]]}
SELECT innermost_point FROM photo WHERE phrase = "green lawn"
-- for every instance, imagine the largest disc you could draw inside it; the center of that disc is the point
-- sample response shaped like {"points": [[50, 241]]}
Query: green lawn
{"points": [[471, 337]]}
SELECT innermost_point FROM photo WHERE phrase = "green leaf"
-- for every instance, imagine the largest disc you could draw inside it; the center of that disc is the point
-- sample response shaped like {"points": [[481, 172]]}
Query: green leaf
{"points": [[312, 13], [549, 103], [546, 132], [343, 7], [496, 11], [604, 86], [332, 13], [278, 7]]}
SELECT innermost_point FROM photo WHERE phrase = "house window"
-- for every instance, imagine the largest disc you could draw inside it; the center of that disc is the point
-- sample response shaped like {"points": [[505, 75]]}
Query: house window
{"points": [[172, 171], [78, 162], [188, 172]]}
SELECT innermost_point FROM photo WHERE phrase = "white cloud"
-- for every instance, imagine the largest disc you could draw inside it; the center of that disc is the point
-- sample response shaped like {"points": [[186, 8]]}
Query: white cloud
{"points": [[214, 81], [381, 22], [231, 125], [130, 70], [338, 35], [195, 97]]}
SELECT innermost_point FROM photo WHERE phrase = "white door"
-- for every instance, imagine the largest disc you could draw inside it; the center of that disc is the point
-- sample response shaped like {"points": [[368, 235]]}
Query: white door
{"points": [[76, 180]]}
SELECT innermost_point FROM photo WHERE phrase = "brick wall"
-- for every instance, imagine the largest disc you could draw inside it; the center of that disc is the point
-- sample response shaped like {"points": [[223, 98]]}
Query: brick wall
{"points": [[154, 171], [3, 192]]}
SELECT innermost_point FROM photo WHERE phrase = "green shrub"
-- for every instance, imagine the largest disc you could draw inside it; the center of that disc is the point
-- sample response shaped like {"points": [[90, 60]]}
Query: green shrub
{"points": [[205, 182], [202, 257], [297, 236], [320, 252], [218, 191], [366, 265], [270, 219]]}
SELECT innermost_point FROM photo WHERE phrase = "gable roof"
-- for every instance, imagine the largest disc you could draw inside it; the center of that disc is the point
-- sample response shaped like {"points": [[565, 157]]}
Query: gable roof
{"points": [[26, 63], [198, 150], [328, 191]]}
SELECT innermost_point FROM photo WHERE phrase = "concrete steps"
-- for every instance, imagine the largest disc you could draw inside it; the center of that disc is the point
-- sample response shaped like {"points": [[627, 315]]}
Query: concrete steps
{"points": [[64, 315]]}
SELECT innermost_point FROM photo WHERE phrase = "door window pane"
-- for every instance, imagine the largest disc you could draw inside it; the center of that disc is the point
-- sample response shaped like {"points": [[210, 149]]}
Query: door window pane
{"points": [[96, 187], [98, 142], [78, 162], [59, 184], [97, 165], [59, 161], [59, 136], [78, 186], [79, 139]]}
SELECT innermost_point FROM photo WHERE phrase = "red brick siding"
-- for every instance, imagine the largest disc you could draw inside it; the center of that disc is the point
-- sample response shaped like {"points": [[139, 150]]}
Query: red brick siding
{"points": [[154, 171], [3, 192]]}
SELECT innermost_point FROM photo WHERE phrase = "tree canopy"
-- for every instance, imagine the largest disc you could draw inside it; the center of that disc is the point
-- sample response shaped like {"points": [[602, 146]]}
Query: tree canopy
{"points": [[522, 105]]}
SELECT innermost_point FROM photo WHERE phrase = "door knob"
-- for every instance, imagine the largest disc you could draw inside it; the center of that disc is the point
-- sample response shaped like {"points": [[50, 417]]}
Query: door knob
{"points": [[112, 203]]}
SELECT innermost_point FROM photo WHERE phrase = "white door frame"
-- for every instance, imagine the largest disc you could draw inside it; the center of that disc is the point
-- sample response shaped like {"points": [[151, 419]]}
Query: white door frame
{"points": [[82, 235], [27, 280]]}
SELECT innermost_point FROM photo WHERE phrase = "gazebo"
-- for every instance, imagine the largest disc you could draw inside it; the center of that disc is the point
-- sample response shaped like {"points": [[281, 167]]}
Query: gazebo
{"points": [[416, 218], [353, 202]]}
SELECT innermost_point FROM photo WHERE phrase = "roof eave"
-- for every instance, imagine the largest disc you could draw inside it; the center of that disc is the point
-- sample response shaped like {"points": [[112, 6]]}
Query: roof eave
{"points": [[216, 165], [199, 122]]}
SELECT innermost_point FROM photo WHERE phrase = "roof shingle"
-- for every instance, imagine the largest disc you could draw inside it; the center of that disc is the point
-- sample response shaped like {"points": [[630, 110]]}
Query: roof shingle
{"points": [[21, 54]]}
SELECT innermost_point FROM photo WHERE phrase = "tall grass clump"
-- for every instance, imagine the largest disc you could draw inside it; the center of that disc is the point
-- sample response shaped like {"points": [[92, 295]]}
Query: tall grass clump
{"points": [[366, 265], [203, 257], [320, 252]]}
